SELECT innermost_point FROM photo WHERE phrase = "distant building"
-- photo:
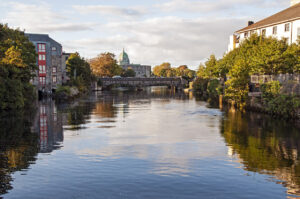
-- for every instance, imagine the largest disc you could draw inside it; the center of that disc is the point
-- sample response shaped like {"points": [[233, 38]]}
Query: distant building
{"points": [[285, 24], [140, 70], [64, 59], [50, 73]]}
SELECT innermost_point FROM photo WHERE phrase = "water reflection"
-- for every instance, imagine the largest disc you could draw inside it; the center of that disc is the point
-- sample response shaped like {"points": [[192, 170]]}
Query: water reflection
{"points": [[18, 146], [153, 142], [265, 145]]}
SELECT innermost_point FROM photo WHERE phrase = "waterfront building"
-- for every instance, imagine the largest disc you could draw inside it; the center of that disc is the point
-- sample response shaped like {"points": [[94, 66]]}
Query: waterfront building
{"points": [[50, 73], [64, 59], [140, 70], [285, 24]]}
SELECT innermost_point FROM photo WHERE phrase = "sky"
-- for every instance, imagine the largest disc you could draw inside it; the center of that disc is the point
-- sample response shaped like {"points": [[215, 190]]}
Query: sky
{"points": [[182, 32]]}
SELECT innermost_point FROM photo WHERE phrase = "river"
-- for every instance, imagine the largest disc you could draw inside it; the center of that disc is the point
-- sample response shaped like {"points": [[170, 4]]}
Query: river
{"points": [[156, 143]]}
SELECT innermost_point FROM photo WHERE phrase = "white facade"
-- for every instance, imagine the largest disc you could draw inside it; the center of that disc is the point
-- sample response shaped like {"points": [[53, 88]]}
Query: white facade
{"points": [[291, 34], [294, 2], [287, 27]]}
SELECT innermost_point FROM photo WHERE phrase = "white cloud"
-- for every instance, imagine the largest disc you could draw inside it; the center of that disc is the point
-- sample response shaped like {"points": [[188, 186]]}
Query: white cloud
{"points": [[216, 6], [40, 18], [110, 10], [173, 39]]}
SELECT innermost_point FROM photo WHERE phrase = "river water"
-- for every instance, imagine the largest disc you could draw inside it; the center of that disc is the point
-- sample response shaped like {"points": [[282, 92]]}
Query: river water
{"points": [[150, 144]]}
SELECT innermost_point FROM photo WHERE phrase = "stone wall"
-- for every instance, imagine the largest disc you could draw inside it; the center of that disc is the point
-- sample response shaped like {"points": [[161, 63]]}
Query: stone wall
{"points": [[290, 82]]}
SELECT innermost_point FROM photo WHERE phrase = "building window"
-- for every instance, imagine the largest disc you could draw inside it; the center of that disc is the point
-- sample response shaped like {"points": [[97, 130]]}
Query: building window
{"points": [[246, 34], [54, 79], [298, 32], [42, 69], [263, 32], [287, 27], [42, 80], [275, 30], [53, 48], [42, 57], [42, 47], [53, 69]]}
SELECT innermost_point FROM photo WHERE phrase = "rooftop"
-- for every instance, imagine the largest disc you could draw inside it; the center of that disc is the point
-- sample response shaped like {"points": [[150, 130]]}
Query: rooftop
{"points": [[289, 14]]}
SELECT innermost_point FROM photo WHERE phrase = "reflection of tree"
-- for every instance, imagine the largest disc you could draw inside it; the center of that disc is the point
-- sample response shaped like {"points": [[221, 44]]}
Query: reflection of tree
{"points": [[265, 145], [106, 110], [78, 114], [18, 146]]}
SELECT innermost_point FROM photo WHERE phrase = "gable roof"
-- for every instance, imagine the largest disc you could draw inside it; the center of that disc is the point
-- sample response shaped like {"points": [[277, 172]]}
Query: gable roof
{"points": [[289, 14], [41, 37]]}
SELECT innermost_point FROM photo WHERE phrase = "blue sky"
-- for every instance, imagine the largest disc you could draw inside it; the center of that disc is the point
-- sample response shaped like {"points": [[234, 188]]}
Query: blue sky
{"points": [[151, 31]]}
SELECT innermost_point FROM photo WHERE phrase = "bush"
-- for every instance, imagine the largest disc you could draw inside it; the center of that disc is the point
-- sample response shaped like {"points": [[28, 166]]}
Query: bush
{"points": [[270, 89], [200, 86], [213, 88], [283, 105], [63, 92]]}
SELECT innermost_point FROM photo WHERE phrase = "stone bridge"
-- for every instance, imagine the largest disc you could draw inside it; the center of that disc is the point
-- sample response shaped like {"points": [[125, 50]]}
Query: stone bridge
{"points": [[138, 82]]}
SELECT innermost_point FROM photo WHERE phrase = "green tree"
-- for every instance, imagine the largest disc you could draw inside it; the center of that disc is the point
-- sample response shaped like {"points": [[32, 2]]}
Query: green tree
{"points": [[104, 65], [17, 66], [79, 72], [128, 73], [211, 67]]}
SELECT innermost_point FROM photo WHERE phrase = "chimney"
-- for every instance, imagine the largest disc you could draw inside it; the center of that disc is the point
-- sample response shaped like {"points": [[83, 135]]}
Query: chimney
{"points": [[294, 2], [252, 22]]}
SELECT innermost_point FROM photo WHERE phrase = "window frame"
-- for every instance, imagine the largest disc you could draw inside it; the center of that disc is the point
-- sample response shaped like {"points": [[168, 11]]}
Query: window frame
{"points": [[287, 27]]}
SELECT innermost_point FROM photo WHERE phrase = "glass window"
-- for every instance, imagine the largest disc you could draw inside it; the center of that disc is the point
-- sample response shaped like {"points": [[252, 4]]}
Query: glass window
{"points": [[287, 27], [298, 32], [275, 30], [42, 68], [42, 47], [54, 79], [54, 69], [246, 34], [263, 32], [53, 48]]}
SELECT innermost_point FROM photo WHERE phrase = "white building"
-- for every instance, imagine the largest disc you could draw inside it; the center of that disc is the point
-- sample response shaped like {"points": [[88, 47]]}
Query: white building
{"points": [[285, 24]]}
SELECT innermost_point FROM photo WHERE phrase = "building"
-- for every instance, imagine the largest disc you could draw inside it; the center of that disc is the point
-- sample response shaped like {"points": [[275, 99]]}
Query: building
{"points": [[285, 24], [140, 70], [65, 57], [50, 73]]}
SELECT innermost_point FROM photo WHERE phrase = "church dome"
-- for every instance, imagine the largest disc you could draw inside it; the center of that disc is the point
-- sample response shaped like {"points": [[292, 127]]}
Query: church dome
{"points": [[124, 59]]}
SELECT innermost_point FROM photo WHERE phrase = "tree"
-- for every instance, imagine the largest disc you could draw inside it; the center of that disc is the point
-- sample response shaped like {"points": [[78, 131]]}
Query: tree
{"points": [[211, 67], [104, 65], [160, 70], [128, 73], [17, 66], [79, 72]]}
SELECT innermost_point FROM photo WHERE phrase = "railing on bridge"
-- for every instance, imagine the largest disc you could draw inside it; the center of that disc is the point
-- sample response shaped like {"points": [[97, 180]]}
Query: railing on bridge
{"points": [[144, 81]]}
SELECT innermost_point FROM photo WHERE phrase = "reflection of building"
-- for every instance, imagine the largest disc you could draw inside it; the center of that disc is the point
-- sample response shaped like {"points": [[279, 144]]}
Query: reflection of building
{"points": [[140, 70], [285, 24], [49, 127]]}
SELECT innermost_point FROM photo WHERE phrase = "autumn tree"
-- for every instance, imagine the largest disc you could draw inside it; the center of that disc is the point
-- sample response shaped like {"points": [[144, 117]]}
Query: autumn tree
{"points": [[161, 70], [104, 65]]}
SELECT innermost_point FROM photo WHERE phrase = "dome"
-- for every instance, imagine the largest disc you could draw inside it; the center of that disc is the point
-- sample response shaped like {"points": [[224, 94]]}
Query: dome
{"points": [[124, 59]]}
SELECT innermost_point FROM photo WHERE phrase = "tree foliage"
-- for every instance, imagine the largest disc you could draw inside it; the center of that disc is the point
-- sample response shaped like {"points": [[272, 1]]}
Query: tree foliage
{"points": [[105, 65], [17, 66], [165, 70], [128, 73], [79, 72]]}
